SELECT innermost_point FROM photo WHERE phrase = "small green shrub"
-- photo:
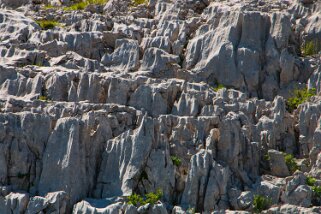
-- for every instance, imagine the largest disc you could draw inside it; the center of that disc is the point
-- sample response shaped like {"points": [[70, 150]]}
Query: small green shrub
{"points": [[153, 197], [311, 48], [77, 6], [299, 97], [47, 24], [135, 200], [176, 160], [310, 181], [261, 203], [290, 162], [149, 198], [98, 2]]}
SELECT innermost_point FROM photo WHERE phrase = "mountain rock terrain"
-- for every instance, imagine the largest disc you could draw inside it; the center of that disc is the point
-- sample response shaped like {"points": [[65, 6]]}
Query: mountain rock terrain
{"points": [[126, 98]]}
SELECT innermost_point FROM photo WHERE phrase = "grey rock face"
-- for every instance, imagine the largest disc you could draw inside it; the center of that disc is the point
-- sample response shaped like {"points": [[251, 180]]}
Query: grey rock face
{"points": [[112, 104], [125, 172], [213, 187], [85, 207], [245, 200], [157, 60], [65, 167], [53, 202], [287, 208], [125, 57], [236, 52], [14, 203], [270, 187], [15, 26], [14, 3]]}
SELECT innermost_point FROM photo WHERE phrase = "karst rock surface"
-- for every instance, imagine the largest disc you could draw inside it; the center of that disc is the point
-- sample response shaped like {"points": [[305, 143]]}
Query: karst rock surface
{"points": [[184, 96]]}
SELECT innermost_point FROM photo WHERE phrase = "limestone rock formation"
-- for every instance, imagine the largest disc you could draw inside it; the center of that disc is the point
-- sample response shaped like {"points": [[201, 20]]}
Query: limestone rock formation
{"points": [[160, 106]]}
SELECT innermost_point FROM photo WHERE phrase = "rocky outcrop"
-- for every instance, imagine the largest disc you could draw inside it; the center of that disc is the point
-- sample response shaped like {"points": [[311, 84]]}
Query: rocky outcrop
{"points": [[113, 104]]}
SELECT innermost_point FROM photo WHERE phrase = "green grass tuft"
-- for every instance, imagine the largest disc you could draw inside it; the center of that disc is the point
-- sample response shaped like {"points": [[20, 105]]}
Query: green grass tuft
{"points": [[150, 198], [266, 157], [153, 197], [310, 181], [176, 160], [311, 48], [290, 162], [299, 97], [139, 2], [48, 7], [47, 24], [43, 98], [76, 6], [316, 191], [218, 87], [135, 200], [261, 203], [82, 5], [98, 2]]}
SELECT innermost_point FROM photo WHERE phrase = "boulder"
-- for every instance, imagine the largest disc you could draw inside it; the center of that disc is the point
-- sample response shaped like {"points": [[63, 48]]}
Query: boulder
{"points": [[297, 192], [277, 164]]}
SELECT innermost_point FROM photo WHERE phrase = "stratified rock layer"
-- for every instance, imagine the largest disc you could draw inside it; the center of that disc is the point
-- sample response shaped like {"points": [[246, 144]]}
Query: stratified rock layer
{"points": [[187, 97]]}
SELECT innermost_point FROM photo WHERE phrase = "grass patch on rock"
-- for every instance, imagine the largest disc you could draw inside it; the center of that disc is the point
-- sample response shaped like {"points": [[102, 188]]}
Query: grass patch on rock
{"points": [[310, 181], [139, 2], [83, 4], [47, 24], [217, 87], [43, 98], [316, 191], [290, 162], [311, 48], [149, 198], [48, 7], [135, 200], [299, 96], [176, 160]]}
